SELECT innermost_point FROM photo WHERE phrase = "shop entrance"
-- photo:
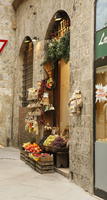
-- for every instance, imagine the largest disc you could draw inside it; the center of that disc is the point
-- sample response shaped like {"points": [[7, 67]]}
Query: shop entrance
{"points": [[58, 69]]}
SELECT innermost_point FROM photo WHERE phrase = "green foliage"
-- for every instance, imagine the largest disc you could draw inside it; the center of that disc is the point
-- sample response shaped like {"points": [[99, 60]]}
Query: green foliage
{"points": [[57, 49]]}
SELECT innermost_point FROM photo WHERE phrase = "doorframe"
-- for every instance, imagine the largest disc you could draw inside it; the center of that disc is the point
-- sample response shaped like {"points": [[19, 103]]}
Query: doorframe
{"points": [[94, 105]]}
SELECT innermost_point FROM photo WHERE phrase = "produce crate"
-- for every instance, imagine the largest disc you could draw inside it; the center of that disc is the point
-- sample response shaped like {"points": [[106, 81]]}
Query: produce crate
{"points": [[45, 167], [46, 158], [25, 157]]}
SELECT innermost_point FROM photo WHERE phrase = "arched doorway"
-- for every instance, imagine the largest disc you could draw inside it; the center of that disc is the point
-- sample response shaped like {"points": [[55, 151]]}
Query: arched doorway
{"points": [[57, 67], [101, 99]]}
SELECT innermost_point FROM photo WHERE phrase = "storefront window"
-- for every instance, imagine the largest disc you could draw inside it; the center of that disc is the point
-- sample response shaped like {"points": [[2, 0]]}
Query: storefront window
{"points": [[101, 103], [101, 70], [101, 99]]}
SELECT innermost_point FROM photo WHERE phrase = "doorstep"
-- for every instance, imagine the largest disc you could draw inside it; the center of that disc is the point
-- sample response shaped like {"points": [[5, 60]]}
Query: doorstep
{"points": [[63, 171]]}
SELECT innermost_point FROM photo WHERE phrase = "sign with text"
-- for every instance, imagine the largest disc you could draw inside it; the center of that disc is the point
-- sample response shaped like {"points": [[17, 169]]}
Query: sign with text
{"points": [[101, 43], [2, 44]]}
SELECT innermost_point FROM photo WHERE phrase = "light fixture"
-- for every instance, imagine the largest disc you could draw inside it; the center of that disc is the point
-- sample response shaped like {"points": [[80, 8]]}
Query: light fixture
{"points": [[35, 39], [27, 41], [58, 17]]}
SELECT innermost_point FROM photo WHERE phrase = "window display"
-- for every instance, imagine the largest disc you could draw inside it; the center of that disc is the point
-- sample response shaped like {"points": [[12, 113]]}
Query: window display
{"points": [[101, 103]]}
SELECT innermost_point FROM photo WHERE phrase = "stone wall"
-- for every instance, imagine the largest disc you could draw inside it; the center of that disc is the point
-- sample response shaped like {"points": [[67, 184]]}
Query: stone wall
{"points": [[82, 52], [7, 63], [33, 18]]}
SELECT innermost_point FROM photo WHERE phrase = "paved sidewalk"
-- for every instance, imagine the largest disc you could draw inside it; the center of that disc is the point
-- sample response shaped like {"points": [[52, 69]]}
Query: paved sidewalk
{"points": [[19, 182]]}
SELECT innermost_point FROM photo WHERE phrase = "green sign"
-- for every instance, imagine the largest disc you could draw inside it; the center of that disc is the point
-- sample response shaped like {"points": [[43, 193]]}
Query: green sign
{"points": [[101, 43]]}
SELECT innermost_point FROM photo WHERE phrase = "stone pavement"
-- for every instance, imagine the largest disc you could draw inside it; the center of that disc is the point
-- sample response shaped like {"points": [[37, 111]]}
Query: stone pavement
{"points": [[19, 182]]}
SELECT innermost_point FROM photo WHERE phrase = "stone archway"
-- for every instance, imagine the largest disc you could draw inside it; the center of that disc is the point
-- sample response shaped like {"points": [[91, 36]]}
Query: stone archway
{"points": [[59, 70], [58, 27]]}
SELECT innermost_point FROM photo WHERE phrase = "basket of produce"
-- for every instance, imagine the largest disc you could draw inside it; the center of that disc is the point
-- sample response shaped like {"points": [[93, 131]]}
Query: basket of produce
{"points": [[55, 143], [59, 144], [32, 148], [48, 142]]}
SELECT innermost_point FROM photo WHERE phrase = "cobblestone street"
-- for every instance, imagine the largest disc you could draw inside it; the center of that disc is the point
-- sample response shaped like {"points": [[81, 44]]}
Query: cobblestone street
{"points": [[19, 182]]}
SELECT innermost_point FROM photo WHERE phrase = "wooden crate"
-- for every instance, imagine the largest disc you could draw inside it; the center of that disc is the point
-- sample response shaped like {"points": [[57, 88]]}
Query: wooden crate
{"points": [[46, 159], [29, 161], [45, 167]]}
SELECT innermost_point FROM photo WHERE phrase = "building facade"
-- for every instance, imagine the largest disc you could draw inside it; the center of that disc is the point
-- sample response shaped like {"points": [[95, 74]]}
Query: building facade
{"points": [[30, 19]]}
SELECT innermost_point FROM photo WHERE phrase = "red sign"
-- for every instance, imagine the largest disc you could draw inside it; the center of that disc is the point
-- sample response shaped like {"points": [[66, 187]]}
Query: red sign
{"points": [[2, 44]]}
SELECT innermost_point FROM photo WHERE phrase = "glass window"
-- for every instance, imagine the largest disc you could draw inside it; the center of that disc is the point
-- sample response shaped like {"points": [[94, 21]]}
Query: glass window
{"points": [[101, 77], [101, 14], [101, 103]]}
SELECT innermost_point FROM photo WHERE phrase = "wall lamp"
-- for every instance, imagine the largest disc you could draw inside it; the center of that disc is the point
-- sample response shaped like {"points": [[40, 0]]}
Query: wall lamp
{"points": [[58, 17], [35, 39], [29, 40]]}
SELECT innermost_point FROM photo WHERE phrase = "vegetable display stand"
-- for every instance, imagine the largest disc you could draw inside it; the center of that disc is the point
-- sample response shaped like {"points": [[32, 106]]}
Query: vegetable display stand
{"points": [[43, 165]]}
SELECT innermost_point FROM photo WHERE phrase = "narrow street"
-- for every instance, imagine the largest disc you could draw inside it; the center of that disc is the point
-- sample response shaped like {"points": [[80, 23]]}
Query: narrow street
{"points": [[19, 182]]}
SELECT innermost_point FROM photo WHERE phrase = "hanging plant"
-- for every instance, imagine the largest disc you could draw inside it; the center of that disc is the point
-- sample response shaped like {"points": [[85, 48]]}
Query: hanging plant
{"points": [[66, 47], [57, 49], [63, 47]]}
